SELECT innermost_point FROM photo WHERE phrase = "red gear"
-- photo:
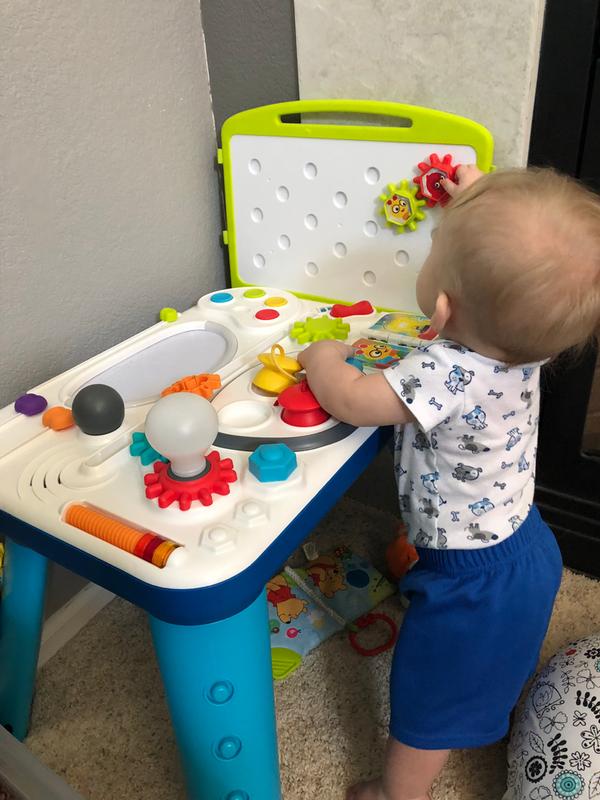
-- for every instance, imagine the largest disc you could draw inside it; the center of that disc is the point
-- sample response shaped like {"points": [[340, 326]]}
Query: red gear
{"points": [[168, 489], [428, 181]]}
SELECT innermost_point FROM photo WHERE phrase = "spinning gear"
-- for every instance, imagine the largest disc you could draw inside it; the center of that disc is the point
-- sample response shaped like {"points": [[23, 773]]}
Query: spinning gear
{"points": [[182, 427], [165, 486], [401, 208], [315, 329], [429, 181], [203, 385]]}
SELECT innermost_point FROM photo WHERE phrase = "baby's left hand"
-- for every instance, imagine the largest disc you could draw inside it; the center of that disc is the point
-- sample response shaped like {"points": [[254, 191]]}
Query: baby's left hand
{"points": [[318, 349]]}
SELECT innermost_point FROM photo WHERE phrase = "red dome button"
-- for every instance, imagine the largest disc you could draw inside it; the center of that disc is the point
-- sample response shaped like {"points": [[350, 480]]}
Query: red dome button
{"points": [[267, 313], [300, 407]]}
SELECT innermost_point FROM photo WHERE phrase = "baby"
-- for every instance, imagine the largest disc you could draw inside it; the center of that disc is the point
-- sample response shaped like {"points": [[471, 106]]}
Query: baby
{"points": [[513, 278]]}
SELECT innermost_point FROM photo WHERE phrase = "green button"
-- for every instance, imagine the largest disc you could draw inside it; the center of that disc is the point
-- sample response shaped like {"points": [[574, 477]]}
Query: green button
{"points": [[252, 293], [168, 315]]}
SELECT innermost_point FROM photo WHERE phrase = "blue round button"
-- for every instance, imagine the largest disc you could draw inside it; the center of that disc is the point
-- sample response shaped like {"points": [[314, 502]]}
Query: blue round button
{"points": [[221, 297], [238, 794], [229, 747], [220, 692]]}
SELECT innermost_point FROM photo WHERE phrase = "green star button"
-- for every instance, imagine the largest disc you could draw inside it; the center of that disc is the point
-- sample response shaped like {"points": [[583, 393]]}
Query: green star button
{"points": [[315, 329]]}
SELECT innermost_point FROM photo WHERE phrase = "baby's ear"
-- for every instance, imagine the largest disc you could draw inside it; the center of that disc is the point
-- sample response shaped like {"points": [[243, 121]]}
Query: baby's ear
{"points": [[442, 312]]}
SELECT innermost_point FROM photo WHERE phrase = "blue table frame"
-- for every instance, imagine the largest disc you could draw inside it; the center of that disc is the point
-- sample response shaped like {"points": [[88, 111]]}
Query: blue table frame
{"points": [[212, 646]]}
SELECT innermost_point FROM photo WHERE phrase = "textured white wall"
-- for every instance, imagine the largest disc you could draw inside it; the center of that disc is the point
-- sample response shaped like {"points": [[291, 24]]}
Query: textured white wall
{"points": [[477, 58], [109, 203]]}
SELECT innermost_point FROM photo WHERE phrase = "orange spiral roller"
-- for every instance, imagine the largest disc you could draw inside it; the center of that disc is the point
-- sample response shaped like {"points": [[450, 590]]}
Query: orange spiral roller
{"points": [[143, 544]]}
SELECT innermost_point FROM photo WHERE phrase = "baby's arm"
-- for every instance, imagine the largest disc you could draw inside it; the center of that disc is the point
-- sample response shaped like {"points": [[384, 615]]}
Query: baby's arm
{"points": [[345, 393]]}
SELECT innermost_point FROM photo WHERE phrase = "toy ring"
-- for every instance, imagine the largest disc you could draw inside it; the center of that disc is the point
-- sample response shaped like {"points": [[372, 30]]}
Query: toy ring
{"points": [[366, 621]]}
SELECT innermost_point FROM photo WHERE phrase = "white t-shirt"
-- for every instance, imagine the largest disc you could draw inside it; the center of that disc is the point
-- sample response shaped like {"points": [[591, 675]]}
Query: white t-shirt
{"points": [[466, 471]]}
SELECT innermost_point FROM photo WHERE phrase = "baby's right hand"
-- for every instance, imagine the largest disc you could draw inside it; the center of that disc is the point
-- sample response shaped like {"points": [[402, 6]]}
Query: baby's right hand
{"points": [[466, 175]]}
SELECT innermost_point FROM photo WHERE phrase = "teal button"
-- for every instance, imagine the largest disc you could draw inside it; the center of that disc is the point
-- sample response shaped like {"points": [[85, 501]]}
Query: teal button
{"points": [[221, 297], [229, 748], [221, 692]]}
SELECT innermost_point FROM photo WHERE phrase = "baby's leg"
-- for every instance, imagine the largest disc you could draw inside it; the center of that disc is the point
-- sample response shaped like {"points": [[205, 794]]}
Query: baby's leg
{"points": [[407, 775]]}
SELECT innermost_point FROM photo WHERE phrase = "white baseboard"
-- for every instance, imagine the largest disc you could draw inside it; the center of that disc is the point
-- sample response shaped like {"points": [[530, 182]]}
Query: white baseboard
{"points": [[65, 623]]}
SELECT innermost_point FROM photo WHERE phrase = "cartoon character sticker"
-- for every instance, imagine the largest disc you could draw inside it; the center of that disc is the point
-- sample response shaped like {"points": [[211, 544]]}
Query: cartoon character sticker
{"points": [[430, 179], [377, 355], [326, 575], [280, 595]]}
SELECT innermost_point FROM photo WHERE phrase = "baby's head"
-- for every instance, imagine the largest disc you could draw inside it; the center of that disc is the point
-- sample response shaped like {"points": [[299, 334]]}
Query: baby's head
{"points": [[514, 269]]}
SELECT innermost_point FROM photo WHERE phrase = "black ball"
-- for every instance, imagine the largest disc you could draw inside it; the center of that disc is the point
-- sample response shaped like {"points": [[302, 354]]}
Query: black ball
{"points": [[98, 409]]}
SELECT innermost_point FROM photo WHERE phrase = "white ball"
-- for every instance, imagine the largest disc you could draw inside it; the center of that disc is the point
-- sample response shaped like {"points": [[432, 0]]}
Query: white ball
{"points": [[182, 427]]}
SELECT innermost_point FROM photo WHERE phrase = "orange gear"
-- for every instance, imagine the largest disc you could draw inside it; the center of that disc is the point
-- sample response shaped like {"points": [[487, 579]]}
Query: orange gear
{"points": [[203, 384]]}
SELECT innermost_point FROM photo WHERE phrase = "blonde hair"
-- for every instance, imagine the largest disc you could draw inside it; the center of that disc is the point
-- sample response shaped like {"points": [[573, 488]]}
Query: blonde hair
{"points": [[521, 259]]}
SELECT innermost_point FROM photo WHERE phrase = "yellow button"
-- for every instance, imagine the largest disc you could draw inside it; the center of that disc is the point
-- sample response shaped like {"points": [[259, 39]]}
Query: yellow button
{"points": [[275, 301]]}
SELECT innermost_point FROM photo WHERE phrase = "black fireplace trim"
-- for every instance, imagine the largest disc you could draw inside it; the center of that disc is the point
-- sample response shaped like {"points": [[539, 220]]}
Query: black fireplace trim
{"points": [[565, 135]]}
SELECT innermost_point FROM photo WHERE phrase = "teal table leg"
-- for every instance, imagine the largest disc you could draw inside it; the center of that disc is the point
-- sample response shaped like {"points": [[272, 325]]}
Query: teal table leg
{"points": [[219, 690], [21, 618]]}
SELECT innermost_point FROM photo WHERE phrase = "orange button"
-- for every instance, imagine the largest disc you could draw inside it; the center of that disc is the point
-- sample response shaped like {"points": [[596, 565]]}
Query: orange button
{"points": [[275, 301], [58, 418]]}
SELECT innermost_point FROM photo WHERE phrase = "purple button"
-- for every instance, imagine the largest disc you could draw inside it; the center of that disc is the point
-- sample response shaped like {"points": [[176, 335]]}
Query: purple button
{"points": [[30, 404]]}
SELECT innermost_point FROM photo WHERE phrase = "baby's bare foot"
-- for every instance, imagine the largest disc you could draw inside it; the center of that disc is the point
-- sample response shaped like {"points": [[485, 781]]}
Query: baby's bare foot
{"points": [[366, 790]]}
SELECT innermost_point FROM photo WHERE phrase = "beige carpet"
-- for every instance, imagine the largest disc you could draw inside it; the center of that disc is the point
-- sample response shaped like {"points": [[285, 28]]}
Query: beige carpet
{"points": [[100, 719]]}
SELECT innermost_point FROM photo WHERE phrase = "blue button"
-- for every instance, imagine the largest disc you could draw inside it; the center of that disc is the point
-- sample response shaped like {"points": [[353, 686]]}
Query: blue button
{"points": [[229, 747], [238, 795], [221, 692], [221, 297]]}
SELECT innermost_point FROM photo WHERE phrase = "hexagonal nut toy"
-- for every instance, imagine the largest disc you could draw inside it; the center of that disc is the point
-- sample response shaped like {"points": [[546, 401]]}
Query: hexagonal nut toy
{"points": [[272, 462]]}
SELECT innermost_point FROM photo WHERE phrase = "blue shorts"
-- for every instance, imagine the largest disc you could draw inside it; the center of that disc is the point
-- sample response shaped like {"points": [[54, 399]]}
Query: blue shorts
{"points": [[471, 637]]}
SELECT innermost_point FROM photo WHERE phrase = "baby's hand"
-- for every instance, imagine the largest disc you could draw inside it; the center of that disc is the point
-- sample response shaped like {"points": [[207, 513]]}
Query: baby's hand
{"points": [[466, 175], [317, 350]]}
